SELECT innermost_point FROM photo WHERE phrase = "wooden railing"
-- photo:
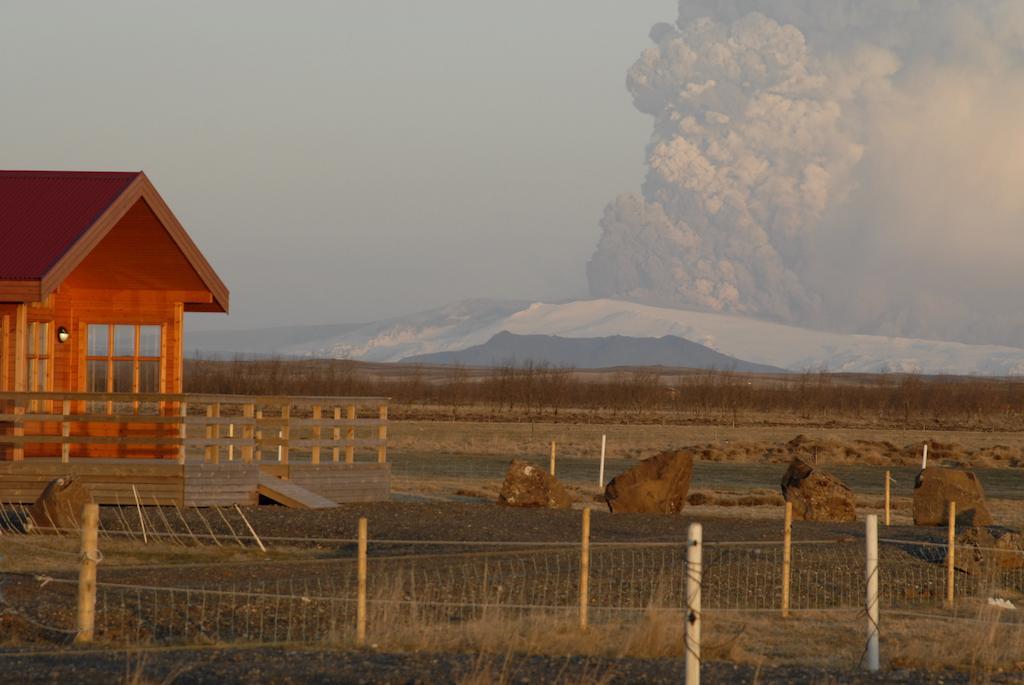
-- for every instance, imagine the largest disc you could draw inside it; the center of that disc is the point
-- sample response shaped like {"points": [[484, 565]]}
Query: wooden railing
{"points": [[190, 427]]}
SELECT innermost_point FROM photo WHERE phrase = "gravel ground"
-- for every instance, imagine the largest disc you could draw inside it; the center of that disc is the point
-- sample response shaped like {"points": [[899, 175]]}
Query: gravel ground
{"points": [[488, 522], [278, 665]]}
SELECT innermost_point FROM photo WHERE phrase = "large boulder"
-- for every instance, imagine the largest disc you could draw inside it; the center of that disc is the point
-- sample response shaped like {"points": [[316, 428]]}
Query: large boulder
{"points": [[657, 485], [983, 551], [59, 506], [816, 495], [936, 487], [528, 486]]}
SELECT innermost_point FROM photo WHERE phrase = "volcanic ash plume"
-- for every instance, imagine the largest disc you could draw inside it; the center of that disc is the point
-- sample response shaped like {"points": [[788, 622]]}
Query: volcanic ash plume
{"points": [[802, 149]]}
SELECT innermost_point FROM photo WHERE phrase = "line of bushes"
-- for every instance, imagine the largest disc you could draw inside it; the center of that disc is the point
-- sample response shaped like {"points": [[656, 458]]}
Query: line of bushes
{"points": [[543, 390]]}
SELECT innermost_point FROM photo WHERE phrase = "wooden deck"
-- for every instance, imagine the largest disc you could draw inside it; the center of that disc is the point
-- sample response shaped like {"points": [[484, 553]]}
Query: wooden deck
{"points": [[220, 446]]}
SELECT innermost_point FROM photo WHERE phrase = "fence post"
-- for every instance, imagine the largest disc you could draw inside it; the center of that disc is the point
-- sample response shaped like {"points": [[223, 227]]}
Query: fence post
{"points": [[285, 433], [314, 455], [382, 435], [585, 571], [951, 556], [182, 430], [65, 432], [350, 435], [553, 449], [259, 435], [361, 580], [336, 434], [888, 479], [600, 473], [694, 549], [787, 557], [18, 430], [87, 574], [213, 433], [871, 660], [248, 431]]}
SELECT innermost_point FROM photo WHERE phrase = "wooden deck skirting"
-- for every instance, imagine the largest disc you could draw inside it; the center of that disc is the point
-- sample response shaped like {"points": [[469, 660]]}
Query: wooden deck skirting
{"points": [[192, 450]]}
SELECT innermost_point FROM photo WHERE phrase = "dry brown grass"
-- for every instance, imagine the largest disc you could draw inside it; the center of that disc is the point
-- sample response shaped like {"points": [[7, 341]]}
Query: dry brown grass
{"points": [[743, 444], [982, 645], [60, 553]]}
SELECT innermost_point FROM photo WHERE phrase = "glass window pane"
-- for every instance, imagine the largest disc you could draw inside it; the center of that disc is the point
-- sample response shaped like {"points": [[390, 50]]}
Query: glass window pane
{"points": [[32, 375], [41, 378], [44, 338], [96, 375], [149, 376], [99, 340], [32, 329], [124, 341], [124, 373], [149, 341]]}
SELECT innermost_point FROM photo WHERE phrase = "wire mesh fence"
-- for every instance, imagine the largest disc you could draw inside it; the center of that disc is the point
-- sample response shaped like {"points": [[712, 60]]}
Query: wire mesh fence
{"points": [[453, 585]]}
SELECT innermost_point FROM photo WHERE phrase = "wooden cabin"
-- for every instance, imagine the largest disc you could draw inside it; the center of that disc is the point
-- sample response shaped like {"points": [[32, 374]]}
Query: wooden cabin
{"points": [[96, 274]]}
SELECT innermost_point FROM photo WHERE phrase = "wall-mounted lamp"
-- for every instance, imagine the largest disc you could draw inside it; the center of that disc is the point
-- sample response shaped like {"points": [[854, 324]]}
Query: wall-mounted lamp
{"points": [[62, 335]]}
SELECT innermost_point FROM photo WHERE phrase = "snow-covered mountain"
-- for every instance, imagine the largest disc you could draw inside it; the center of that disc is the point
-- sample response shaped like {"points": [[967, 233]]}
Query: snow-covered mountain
{"points": [[474, 322]]}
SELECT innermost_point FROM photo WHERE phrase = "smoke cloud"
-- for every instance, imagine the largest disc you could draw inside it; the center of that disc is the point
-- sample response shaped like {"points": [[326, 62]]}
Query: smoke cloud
{"points": [[850, 164]]}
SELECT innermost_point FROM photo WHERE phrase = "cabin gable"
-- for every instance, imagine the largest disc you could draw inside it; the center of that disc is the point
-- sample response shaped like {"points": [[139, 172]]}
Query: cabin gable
{"points": [[137, 254]]}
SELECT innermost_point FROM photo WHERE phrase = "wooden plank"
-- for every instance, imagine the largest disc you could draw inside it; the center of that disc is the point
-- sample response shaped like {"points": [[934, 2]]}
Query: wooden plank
{"points": [[350, 434], [296, 400], [340, 468], [125, 467], [279, 470], [317, 434], [382, 435], [291, 495]]}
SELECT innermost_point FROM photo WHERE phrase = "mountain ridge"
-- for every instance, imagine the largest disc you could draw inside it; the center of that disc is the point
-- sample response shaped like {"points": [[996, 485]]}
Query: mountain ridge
{"points": [[592, 353], [473, 322]]}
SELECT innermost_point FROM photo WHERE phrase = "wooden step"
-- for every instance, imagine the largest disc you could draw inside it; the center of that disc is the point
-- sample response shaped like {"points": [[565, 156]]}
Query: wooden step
{"points": [[290, 494]]}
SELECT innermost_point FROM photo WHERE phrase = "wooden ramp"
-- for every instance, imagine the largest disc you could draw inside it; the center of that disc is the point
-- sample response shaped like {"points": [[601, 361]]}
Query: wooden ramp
{"points": [[290, 494]]}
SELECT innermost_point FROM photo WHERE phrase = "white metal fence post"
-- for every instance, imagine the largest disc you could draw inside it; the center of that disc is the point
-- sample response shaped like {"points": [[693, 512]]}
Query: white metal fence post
{"points": [[600, 475], [871, 659], [694, 553]]}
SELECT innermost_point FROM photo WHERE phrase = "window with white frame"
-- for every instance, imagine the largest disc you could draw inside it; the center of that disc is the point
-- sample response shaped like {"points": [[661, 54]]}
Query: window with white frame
{"points": [[122, 358], [38, 350]]}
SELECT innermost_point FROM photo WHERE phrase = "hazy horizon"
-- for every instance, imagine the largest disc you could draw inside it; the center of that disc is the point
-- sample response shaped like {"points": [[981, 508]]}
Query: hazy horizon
{"points": [[847, 165], [342, 162]]}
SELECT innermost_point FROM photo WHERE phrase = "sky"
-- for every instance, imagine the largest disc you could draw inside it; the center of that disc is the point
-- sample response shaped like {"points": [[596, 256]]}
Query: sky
{"points": [[847, 165], [346, 161]]}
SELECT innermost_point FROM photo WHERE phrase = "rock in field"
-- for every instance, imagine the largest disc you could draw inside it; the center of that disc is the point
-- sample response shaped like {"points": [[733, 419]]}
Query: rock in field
{"points": [[528, 486], [936, 487], [816, 495], [657, 485], [981, 550], [59, 506]]}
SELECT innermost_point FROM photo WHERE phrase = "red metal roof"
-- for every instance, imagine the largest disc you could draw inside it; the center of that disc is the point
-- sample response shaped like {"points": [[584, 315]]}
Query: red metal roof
{"points": [[43, 213]]}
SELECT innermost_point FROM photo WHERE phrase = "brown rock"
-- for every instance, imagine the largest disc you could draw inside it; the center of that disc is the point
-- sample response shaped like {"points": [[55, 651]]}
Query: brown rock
{"points": [[657, 485], [816, 495], [984, 550], [59, 506], [696, 499], [528, 486], [936, 487]]}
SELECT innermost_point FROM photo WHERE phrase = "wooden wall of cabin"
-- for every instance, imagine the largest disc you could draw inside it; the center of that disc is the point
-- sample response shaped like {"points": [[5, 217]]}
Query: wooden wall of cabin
{"points": [[135, 275], [75, 310]]}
